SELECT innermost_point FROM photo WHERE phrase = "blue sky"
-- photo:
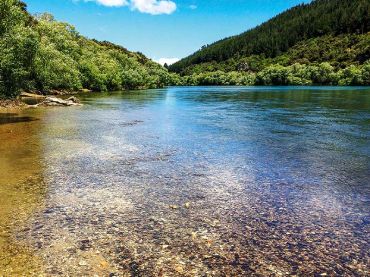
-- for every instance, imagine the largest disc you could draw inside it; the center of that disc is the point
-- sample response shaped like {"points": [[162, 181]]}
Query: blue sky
{"points": [[162, 28]]}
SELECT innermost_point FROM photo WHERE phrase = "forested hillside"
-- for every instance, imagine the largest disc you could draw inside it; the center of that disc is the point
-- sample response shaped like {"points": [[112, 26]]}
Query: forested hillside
{"points": [[39, 53], [326, 42], [330, 34]]}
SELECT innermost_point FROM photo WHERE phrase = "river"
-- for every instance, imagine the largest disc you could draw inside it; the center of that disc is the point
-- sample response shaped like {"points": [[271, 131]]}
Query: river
{"points": [[189, 181]]}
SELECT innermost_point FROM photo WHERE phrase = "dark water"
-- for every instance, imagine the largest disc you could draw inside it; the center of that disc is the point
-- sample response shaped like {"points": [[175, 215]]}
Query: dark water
{"points": [[189, 182]]}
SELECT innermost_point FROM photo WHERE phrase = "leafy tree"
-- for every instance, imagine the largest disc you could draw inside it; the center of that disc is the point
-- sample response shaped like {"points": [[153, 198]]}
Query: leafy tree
{"points": [[350, 76], [366, 74], [273, 75], [323, 74], [18, 45], [53, 69], [44, 54]]}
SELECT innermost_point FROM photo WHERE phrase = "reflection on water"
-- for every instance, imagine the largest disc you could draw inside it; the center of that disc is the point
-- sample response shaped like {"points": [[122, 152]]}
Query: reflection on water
{"points": [[7, 118], [190, 182]]}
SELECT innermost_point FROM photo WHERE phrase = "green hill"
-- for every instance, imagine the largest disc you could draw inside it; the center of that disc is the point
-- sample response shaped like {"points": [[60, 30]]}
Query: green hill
{"points": [[325, 42], [39, 53], [334, 32]]}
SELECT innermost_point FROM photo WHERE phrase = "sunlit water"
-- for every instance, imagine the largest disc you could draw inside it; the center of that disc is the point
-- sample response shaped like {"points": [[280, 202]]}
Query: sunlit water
{"points": [[189, 182]]}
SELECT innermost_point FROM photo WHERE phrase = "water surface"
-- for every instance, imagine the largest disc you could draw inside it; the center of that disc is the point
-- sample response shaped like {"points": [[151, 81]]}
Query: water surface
{"points": [[212, 181]]}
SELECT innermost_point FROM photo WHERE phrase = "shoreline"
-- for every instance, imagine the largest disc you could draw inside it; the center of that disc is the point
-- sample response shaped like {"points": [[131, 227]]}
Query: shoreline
{"points": [[19, 103], [16, 104], [7, 105]]}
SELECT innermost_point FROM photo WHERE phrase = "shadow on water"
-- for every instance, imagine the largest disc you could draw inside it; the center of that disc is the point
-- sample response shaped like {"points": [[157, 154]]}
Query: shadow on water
{"points": [[9, 118]]}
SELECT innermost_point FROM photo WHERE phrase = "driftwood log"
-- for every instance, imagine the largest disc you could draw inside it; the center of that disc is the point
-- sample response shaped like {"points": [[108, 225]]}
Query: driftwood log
{"points": [[54, 101]]}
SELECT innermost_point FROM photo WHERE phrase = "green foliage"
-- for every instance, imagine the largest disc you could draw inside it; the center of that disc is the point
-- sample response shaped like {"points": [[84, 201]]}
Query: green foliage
{"points": [[273, 75], [53, 69], [326, 42], [303, 23], [39, 53], [99, 66], [219, 78], [55, 65], [340, 51], [297, 74], [322, 74], [366, 74], [18, 45], [350, 76]]}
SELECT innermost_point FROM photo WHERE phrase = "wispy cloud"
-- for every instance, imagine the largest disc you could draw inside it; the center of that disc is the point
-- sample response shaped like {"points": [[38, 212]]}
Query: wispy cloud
{"points": [[153, 7], [113, 3], [168, 61]]}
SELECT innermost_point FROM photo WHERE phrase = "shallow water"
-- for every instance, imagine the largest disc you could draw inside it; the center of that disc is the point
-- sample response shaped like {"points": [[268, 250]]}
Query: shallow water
{"points": [[210, 181]]}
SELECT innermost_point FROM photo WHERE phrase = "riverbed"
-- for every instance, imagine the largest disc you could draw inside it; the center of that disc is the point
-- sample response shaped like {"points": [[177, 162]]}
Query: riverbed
{"points": [[189, 181]]}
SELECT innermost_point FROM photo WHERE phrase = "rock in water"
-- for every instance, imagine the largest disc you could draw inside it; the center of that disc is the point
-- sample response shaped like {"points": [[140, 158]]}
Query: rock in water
{"points": [[54, 101], [82, 263], [74, 99]]}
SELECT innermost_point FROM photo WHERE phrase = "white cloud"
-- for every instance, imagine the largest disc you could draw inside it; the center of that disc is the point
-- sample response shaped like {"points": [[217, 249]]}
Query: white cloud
{"points": [[113, 3], [154, 6], [145, 6], [193, 7], [168, 61]]}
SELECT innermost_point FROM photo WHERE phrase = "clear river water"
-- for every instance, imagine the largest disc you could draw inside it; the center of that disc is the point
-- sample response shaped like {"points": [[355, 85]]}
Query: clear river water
{"points": [[189, 181]]}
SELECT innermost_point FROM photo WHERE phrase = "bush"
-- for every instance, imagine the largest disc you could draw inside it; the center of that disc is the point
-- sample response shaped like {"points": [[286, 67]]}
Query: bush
{"points": [[296, 74], [350, 76]]}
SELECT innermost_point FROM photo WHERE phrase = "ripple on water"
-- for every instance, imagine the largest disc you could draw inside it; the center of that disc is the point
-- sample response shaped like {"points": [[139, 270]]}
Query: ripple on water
{"points": [[153, 187]]}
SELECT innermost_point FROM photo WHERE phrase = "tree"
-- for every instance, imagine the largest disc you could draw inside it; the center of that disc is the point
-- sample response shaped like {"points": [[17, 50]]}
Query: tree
{"points": [[350, 76], [44, 54], [301, 23], [323, 74], [18, 46]]}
